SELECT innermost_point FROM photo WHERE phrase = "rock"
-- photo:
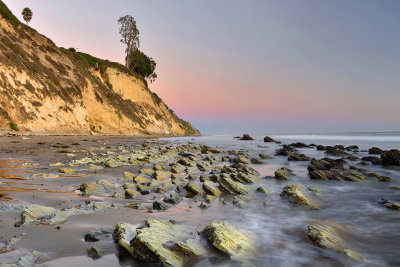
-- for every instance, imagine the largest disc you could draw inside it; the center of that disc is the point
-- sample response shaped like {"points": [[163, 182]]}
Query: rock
{"points": [[325, 164], [352, 148], [157, 242], [268, 139], [246, 137], [321, 148], [204, 205], [240, 160], [148, 172], [384, 179], [130, 192], [141, 180], [326, 237], [241, 201], [100, 186], [207, 149], [298, 145], [283, 173], [210, 198], [173, 199], [232, 186], [157, 205], [390, 204], [96, 234], [337, 174], [44, 176], [256, 161], [94, 253], [212, 188], [263, 190], [263, 156], [28, 260], [34, 213], [57, 164], [294, 195], [391, 157], [10, 245], [298, 157], [375, 151], [124, 233], [195, 187], [284, 151], [372, 159], [94, 167], [66, 170], [129, 176], [229, 240], [161, 175], [336, 151]]}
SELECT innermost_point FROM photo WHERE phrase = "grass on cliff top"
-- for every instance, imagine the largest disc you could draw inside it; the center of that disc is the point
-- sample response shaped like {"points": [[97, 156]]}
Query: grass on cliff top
{"points": [[5, 12], [85, 60]]}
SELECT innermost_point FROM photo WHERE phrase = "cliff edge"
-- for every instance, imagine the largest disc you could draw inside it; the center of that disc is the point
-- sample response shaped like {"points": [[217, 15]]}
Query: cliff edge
{"points": [[47, 89]]}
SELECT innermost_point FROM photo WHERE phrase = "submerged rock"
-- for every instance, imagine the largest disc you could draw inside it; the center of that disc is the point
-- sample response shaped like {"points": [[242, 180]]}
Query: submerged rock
{"points": [[284, 151], [232, 186], [326, 237], [375, 151], [298, 157], [228, 239], [256, 161], [96, 234], [337, 174]]}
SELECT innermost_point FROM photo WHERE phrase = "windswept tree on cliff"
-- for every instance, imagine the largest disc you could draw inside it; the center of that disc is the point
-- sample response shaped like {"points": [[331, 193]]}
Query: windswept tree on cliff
{"points": [[27, 14], [130, 36]]}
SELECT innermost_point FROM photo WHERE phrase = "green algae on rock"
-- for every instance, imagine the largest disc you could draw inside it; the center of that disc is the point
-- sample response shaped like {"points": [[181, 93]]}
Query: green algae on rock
{"points": [[294, 195], [228, 239], [283, 173], [326, 237]]}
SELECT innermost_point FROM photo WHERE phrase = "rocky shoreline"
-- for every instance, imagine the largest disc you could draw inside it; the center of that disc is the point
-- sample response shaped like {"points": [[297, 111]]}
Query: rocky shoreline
{"points": [[150, 188]]}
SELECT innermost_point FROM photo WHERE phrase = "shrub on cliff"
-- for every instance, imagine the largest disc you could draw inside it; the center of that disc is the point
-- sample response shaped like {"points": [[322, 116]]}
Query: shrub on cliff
{"points": [[13, 126]]}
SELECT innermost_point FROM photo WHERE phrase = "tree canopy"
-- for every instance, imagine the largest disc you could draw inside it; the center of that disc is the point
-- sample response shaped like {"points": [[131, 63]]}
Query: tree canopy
{"points": [[130, 36], [27, 14], [143, 65]]}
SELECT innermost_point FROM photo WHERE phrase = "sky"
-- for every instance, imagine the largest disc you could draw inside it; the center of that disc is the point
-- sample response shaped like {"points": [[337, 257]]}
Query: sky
{"points": [[258, 66]]}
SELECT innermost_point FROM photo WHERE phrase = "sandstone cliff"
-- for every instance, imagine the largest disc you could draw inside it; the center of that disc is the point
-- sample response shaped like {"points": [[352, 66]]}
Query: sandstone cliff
{"points": [[48, 89]]}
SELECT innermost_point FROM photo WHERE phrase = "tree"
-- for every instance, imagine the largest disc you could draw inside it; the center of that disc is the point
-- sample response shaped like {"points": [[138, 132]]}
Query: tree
{"points": [[143, 65], [27, 14], [130, 36]]}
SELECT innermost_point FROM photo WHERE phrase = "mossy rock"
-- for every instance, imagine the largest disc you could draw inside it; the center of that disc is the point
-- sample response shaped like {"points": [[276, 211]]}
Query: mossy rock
{"points": [[294, 195], [195, 187], [34, 213], [283, 173], [212, 188], [100, 186], [229, 240], [232, 186]]}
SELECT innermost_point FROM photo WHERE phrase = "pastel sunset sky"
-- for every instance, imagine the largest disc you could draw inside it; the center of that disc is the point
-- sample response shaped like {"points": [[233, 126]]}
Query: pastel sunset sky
{"points": [[267, 66]]}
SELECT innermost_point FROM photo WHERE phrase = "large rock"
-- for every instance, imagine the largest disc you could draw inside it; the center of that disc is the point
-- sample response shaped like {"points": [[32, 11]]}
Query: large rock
{"points": [[232, 186], [226, 238], [337, 174], [283, 173], [246, 137], [268, 139], [391, 157], [327, 237], [294, 194], [34, 213], [99, 187], [157, 242]]}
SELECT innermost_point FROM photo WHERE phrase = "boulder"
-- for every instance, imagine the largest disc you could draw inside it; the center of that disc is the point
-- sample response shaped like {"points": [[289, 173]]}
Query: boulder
{"points": [[283, 173], [327, 237], [100, 186], [268, 139], [34, 213], [372, 159], [284, 151], [391, 157], [212, 188], [375, 151], [294, 195], [229, 240], [298, 145], [256, 161], [232, 186]]}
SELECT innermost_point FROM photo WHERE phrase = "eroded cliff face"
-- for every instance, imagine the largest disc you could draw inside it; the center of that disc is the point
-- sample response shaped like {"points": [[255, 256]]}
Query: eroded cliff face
{"points": [[50, 90]]}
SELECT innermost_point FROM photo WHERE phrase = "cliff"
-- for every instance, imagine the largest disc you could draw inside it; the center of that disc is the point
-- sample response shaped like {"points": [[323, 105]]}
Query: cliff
{"points": [[47, 89]]}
